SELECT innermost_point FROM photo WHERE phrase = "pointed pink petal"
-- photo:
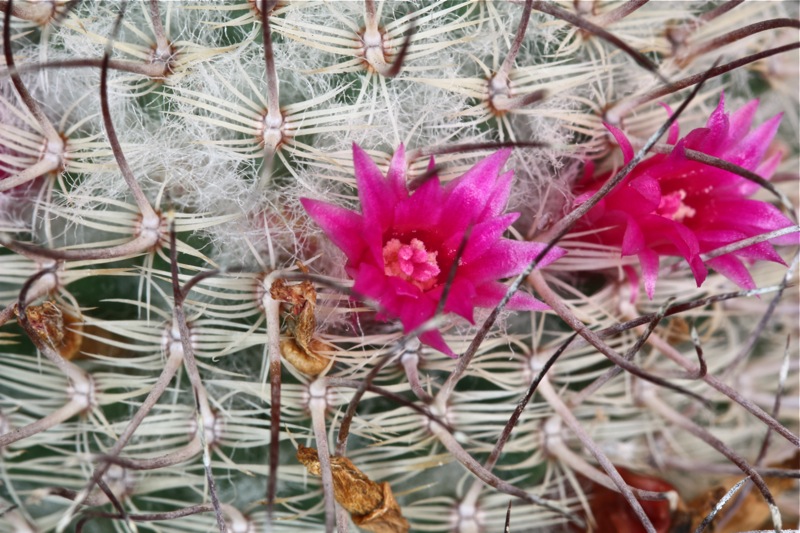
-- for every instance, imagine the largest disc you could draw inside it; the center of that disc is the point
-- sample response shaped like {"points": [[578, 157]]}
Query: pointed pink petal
{"points": [[749, 151], [522, 301], [497, 201], [748, 214], [435, 340], [461, 299], [697, 139], [421, 210], [396, 176], [720, 109], [633, 240], [714, 239], [677, 172], [482, 237], [660, 232], [718, 125], [633, 281], [766, 169], [638, 194], [699, 270], [667, 237], [396, 298], [648, 188], [431, 167], [466, 196], [413, 312], [734, 270], [792, 239], [741, 120], [674, 129], [622, 141], [376, 195], [649, 261], [371, 282], [509, 258], [535, 248], [762, 251], [343, 227]]}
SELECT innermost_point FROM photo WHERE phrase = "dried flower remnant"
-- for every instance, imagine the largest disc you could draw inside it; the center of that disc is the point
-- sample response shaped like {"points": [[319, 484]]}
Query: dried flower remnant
{"points": [[371, 505], [401, 248], [301, 350], [57, 328], [670, 205], [746, 510]]}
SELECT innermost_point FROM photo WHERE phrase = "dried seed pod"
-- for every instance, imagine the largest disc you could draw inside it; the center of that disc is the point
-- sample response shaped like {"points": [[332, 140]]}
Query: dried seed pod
{"points": [[748, 511], [371, 505], [301, 350], [52, 325]]}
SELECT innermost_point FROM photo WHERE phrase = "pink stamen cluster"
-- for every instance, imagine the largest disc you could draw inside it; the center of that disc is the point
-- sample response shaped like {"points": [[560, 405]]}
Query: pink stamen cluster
{"points": [[411, 262]]}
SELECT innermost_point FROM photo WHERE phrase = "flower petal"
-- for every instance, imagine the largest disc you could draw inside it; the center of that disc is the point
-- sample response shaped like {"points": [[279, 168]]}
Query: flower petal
{"points": [[342, 226], [466, 196], [622, 141], [497, 201], [376, 195], [435, 340], [633, 240], [649, 261], [508, 258], [739, 213], [422, 210], [749, 151], [674, 129], [717, 128], [482, 237], [715, 239], [461, 299], [667, 237], [733, 269], [396, 176], [633, 282], [741, 120]]}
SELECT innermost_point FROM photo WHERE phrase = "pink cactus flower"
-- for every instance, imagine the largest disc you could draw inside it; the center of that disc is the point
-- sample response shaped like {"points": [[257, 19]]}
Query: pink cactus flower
{"points": [[401, 247], [671, 206]]}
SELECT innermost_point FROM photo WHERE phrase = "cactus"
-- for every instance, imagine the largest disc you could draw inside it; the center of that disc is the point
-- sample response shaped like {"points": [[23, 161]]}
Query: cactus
{"points": [[187, 342]]}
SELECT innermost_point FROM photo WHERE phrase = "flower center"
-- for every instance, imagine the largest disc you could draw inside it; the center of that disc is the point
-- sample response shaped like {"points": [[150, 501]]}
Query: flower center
{"points": [[411, 262], [672, 206]]}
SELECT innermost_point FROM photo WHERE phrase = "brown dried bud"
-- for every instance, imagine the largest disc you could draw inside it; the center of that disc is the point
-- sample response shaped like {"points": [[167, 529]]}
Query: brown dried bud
{"points": [[748, 510], [304, 359], [49, 324], [301, 351], [371, 505]]}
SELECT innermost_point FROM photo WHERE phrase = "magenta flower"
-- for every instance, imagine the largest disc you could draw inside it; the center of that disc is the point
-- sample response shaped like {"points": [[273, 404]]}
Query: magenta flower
{"points": [[401, 247], [671, 206]]}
